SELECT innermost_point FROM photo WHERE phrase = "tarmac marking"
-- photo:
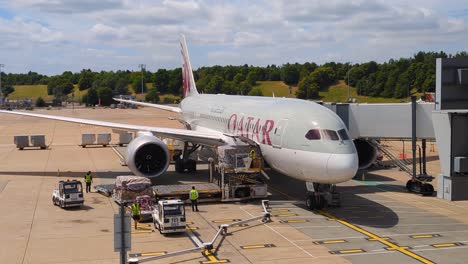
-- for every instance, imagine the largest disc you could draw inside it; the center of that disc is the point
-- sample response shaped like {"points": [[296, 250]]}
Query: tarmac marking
{"points": [[189, 223], [258, 246], [285, 215], [425, 236], [212, 258], [279, 210], [142, 231], [294, 221], [373, 239], [443, 245], [191, 228], [325, 242], [347, 251], [144, 225], [147, 254], [240, 225], [393, 248], [389, 244], [225, 220]]}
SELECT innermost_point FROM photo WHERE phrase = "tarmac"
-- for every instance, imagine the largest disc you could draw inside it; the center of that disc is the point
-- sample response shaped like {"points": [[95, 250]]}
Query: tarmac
{"points": [[378, 222]]}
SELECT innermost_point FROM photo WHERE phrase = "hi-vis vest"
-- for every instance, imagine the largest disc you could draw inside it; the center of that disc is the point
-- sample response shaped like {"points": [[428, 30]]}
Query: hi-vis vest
{"points": [[252, 154], [193, 194], [88, 178], [135, 209]]}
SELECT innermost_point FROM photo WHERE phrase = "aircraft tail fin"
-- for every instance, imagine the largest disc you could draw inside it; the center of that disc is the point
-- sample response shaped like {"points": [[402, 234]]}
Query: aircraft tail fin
{"points": [[188, 81]]}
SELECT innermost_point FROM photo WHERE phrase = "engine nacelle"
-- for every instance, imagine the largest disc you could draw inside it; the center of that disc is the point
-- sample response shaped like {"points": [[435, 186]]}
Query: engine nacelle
{"points": [[367, 154], [147, 156]]}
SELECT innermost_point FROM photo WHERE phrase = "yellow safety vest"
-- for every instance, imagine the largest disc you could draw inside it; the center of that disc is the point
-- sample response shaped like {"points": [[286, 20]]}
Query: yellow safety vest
{"points": [[193, 194], [252, 154], [88, 178], [135, 209]]}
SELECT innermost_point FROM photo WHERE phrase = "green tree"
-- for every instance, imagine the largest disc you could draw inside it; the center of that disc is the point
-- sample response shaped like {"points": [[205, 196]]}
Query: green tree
{"points": [[59, 86], [106, 95], [40, 102], [290, 74], [161, 80], [152, 96], [121, 87], [7, 89], [308, 88], [91, 97], [86, 80], [251, 78], [256, 91]]}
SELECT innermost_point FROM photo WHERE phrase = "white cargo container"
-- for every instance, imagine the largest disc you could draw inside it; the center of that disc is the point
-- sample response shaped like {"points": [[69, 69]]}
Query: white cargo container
{"points": [[38, 141], [88, 139], [21, 141], [103, 139]]}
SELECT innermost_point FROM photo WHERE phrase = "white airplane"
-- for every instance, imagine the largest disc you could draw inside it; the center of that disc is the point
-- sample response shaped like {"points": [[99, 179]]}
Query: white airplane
{"points": [[298, 138]]}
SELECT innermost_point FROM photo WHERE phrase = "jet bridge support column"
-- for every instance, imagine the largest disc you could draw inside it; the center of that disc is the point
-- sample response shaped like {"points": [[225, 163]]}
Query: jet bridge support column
{"points": [[450, 121]]}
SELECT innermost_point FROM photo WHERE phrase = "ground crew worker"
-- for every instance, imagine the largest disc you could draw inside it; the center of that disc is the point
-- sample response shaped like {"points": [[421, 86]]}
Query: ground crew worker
{"points": [[136, 213], [194, 199], [252, 155], [88, 179]]}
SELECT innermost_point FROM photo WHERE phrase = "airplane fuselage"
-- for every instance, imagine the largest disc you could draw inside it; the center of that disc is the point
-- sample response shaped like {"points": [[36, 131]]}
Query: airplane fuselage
{"points": [[298, 138]]}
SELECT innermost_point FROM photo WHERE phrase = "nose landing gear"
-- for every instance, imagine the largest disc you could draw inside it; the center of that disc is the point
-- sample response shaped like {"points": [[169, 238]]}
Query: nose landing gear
{"points": [[321, 195]]}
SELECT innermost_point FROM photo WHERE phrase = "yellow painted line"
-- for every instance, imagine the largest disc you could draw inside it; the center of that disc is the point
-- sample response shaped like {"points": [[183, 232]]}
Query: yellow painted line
{"points": [[143, 225], [295, 221], [258, 246], [225, 220], [285, 215], [147, 254], [425, 236], [378, 238], [153, 254], [347, 251], [444, 245], [189, 223], [279, 210], [212, 258], [142, 232], [334, 241], [373, 239], [392, 248]]}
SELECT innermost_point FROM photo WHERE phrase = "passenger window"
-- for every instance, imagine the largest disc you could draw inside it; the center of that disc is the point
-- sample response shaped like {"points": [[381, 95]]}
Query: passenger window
{"points": [[330, 134], [313, 134], [343, 134]]}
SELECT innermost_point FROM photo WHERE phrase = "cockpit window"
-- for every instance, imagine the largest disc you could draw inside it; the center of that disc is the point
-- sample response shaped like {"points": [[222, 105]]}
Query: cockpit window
{"points": [[313, 134], [329, 134], [343, 134]]}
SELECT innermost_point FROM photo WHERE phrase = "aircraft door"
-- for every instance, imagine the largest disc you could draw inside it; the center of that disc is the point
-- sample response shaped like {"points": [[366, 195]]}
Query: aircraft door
{"points": [[277, 140]]}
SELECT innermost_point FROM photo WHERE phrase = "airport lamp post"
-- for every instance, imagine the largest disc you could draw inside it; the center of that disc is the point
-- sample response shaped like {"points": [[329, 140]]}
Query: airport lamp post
{"points": [[1, 92], [142, 67]]}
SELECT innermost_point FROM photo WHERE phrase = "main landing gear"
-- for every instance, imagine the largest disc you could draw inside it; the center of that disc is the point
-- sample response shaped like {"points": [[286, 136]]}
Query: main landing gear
{"points": [[321, 195], [421, 187], [185, 163]]}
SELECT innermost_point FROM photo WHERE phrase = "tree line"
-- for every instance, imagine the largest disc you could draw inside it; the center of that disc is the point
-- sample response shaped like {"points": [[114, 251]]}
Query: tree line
{"points": [[394, 78]]}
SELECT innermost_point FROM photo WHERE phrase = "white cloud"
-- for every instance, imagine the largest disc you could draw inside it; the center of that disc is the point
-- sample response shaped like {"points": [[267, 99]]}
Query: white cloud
{"points": [[119, 34]]}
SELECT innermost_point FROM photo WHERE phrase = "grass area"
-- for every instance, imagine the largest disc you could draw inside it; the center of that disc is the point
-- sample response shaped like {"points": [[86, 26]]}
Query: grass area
{"points": [[335, 93], [30, 91], [279, 88], [339, 93]]}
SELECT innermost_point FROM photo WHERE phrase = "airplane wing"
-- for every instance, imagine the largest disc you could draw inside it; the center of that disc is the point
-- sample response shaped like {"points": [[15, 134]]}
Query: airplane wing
{"points": [[180, 134], [163, 107]]}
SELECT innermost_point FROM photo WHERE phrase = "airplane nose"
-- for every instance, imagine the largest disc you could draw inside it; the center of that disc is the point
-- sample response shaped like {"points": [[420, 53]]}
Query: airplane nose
{"points": [[342, 167]]}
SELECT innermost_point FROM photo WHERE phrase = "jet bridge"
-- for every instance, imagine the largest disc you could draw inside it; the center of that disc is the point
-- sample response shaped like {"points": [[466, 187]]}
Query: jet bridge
{"points": [[446, 120]]}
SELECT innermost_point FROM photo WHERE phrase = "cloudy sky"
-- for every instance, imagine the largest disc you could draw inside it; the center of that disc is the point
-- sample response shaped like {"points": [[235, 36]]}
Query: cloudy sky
{"points": [[51, 36]]}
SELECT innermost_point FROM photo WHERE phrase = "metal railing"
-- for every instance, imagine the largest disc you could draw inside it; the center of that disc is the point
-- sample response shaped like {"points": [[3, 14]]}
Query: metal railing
{"points": [[398, 162]]}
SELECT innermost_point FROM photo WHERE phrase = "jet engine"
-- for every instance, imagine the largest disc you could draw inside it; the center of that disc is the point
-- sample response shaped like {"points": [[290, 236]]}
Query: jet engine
{"points": [[367, 154], [147, 156]]}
